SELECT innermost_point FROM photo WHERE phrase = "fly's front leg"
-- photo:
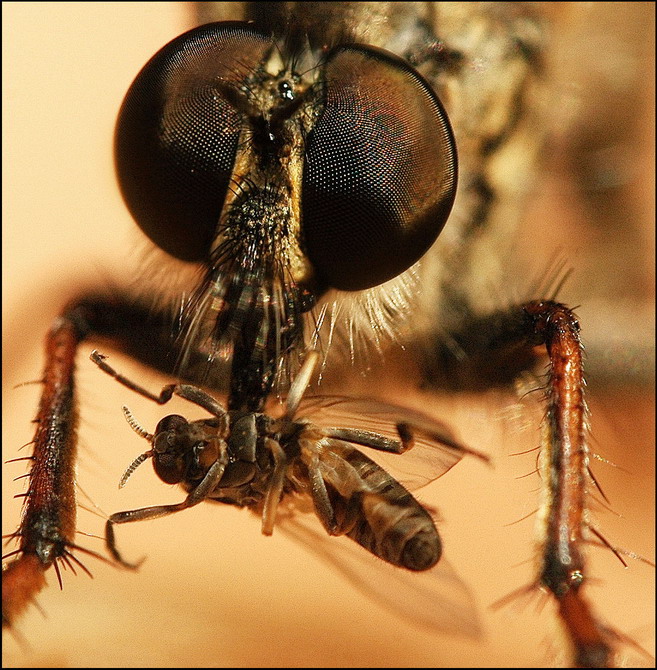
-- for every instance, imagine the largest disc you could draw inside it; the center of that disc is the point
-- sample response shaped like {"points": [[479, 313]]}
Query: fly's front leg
{"points": [[186, 391], [492, 350], [200, 493], [566, 476], [47, 530]]}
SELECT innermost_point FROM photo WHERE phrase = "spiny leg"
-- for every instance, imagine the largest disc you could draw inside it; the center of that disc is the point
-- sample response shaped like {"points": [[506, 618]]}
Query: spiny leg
{"points": [[48, 525], [493, 350], [566, 467]]}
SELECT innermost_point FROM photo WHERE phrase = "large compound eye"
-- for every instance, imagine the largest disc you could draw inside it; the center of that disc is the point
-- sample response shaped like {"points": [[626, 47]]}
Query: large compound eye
{"points": [[177, 134], [380, 172]]}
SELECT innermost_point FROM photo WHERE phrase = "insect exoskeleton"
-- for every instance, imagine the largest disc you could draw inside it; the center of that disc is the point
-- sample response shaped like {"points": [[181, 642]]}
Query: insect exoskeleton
{"points": [[255, 459]]}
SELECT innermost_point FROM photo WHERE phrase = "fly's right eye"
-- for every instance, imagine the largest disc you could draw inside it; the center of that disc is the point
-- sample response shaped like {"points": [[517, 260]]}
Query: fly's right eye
{"points": [[380, 172], [177, 134]]}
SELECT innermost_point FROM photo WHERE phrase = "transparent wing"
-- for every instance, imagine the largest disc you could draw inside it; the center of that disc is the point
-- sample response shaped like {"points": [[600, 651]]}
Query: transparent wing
{"points": [[436, 599], [435, 448]]}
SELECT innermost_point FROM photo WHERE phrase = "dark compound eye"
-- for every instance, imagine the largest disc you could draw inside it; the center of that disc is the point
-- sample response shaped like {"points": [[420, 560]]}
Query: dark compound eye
{"points": [[171, 422], [380, 171], [177, 134], [169, 445]]}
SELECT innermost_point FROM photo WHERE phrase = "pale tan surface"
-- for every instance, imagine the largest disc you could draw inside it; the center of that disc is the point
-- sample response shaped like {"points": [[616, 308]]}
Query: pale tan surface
{"points": [[213, 591]]}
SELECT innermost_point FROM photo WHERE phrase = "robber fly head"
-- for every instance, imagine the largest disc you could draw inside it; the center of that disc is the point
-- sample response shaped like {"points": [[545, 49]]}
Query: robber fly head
{"points": [[282, 183]]}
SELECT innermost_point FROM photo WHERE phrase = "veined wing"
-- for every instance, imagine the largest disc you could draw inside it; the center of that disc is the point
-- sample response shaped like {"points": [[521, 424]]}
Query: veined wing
{"points": [[436, 599], [435, 449]]}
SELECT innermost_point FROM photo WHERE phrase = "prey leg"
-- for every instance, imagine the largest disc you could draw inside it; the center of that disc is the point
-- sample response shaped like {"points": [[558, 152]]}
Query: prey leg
{"points": [[406, 430], [200, 493], [192, 393], [321, 501], [275, 490]]}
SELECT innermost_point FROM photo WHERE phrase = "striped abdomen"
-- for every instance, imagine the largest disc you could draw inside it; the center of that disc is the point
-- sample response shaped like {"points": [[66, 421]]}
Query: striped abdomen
{"points": [[384, 517]]}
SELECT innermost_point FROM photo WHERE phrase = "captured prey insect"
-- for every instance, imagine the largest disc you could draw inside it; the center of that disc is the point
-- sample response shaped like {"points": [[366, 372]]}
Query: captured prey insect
{"points": [[469, 78], [279, 467]]}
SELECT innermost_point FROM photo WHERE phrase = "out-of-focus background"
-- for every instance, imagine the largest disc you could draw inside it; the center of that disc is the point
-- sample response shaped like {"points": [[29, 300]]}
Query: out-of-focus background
{"points": [[214, 591]]}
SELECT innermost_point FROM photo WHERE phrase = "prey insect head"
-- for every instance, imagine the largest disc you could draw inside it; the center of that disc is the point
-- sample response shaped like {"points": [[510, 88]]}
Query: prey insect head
{"points": [[181, 450]]}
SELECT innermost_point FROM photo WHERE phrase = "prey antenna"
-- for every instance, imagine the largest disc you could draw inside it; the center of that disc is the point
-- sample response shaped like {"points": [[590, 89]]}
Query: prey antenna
{"points": [[142, 432]]}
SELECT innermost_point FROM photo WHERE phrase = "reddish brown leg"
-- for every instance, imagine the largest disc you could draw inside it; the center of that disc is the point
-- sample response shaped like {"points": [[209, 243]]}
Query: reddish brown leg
{"points": [[46, 534], [493, 350], [565, 475], [47, 528]]}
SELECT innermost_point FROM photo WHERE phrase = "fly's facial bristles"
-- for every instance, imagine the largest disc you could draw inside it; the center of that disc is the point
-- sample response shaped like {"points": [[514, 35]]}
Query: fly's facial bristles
{"points": [[232, 301], [315, 321], [365, 321], [191, 320], [162, 281], [241, 70]]}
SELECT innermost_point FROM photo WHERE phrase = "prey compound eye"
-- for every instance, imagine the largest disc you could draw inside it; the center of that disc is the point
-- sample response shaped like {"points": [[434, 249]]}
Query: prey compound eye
{"points": [[169, 449], [380, 171], [177, 134]]}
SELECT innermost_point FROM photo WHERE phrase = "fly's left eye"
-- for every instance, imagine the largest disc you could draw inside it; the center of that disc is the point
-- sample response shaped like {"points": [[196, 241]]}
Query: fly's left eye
{"points": [[380, 172], [177, 134]]}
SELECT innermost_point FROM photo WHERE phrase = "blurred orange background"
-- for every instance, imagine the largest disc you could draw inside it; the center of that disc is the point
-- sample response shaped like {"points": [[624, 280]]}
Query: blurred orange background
{"points": [[214, 591]]}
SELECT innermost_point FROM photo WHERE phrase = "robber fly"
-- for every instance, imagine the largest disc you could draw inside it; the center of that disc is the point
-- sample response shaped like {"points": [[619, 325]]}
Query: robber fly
{"points": [[306, 95]]}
